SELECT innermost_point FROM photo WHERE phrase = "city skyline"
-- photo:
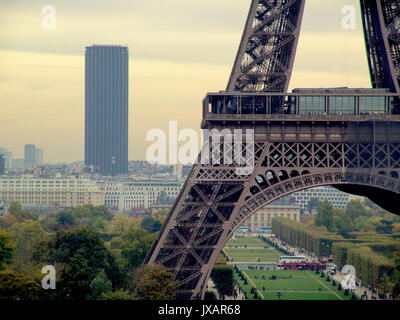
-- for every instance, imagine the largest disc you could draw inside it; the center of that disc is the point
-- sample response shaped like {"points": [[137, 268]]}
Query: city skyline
{"points": [[179, 53]]}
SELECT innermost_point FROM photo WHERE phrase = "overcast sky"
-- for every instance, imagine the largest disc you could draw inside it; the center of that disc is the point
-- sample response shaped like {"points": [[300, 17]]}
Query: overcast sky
{"points": [[179, 50]]}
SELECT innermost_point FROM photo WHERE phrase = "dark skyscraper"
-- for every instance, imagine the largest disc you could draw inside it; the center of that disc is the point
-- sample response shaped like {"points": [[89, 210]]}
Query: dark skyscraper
{"points": [[2, 164], [106, 109]]}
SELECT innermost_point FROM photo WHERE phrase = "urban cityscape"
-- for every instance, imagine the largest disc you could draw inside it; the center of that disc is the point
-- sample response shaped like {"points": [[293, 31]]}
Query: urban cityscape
{"points": [[90, 208]]}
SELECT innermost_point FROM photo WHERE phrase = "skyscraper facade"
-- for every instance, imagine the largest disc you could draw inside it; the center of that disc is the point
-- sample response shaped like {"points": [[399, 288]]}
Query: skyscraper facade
{"points": [[7, 157], [106, 109], [2, 164], [30, 154], [39, 156]]}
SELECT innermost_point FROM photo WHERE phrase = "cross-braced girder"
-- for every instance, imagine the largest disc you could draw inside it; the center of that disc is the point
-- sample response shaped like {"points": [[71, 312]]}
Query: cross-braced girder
{"points": [[215, 202], [381, 21], [265, 57], [364, 155]]}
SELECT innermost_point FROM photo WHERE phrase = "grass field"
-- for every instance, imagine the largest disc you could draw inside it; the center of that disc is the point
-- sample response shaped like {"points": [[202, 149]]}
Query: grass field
{"points": [[304, 285], [252, 255], [241, 242]]}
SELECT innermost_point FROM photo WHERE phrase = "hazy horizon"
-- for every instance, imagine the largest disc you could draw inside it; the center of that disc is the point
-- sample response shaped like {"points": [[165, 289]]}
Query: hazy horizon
{"points": [[179, 50]]}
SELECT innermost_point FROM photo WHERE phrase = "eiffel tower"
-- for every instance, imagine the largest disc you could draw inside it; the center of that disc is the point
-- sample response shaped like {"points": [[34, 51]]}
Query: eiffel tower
{"points": [[348, 139]]}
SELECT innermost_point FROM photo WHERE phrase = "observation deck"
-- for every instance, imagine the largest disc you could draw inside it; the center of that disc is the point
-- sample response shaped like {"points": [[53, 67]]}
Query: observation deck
{"points": [[302, 105]]}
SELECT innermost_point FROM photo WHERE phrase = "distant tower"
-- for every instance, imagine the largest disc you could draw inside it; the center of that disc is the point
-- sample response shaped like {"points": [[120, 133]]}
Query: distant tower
{"points": [[39, 156], [106, 109], [30, 154], [2, 164]]}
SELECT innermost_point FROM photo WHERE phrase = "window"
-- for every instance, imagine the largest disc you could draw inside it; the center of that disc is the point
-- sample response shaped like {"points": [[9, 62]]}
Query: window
{"points": [[372, 105], [342, 105], [231, 105], [247, 105], [217, 104], [260, 106], [312, 105]]}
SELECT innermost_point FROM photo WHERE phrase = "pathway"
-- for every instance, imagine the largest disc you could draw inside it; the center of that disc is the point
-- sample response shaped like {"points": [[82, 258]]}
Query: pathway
{"points": [[252, 283], [323, 284]]}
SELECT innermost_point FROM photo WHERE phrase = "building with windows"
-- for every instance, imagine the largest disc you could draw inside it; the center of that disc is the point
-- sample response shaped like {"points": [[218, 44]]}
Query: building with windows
{"points": [[2, 164], [39, 156], [18, 164], [63, 192], [262, 219], [345, 101], [337, 198], [131, 195], [30, 154], [3, 209], [7, 157], [106, 110]]}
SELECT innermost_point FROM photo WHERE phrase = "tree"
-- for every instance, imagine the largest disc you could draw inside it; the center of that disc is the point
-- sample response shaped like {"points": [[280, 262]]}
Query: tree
{"points": [[153, 282], [15, 286], [121, 224], [222, 276], [15, 208], [313, 203], [355, 209], [384, 227], [16, 214], [135, 245], [343, 223], [80, 255], [150, 225], [26, 234], [7, 248], [396, 274], [325, 215], [99, 285], [116, 295], [85, 215], [65, 219]]}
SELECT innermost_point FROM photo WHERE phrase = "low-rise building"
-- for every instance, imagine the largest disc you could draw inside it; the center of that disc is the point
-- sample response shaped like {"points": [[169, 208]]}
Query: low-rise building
{"points": [[130, 195], [64, 192], [262, 218], [337, 198]]}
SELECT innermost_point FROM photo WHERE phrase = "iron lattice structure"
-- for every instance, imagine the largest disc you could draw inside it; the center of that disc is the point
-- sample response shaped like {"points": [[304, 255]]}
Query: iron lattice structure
{"points": [[359, 154], [266, 53], [381, 23]]}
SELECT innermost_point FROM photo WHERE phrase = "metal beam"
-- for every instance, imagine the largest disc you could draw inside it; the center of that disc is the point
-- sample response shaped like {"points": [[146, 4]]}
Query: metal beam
{"points": [[381, 22], [265, 58]]}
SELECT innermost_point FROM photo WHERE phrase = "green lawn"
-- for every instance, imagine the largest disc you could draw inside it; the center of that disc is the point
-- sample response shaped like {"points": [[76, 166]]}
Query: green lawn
{"points": [[252, 255], [304, 285], [241, 242]]}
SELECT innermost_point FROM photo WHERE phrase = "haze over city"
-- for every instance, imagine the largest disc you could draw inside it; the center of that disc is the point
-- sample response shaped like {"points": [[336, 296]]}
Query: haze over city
{"points": [[179, 50]]}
